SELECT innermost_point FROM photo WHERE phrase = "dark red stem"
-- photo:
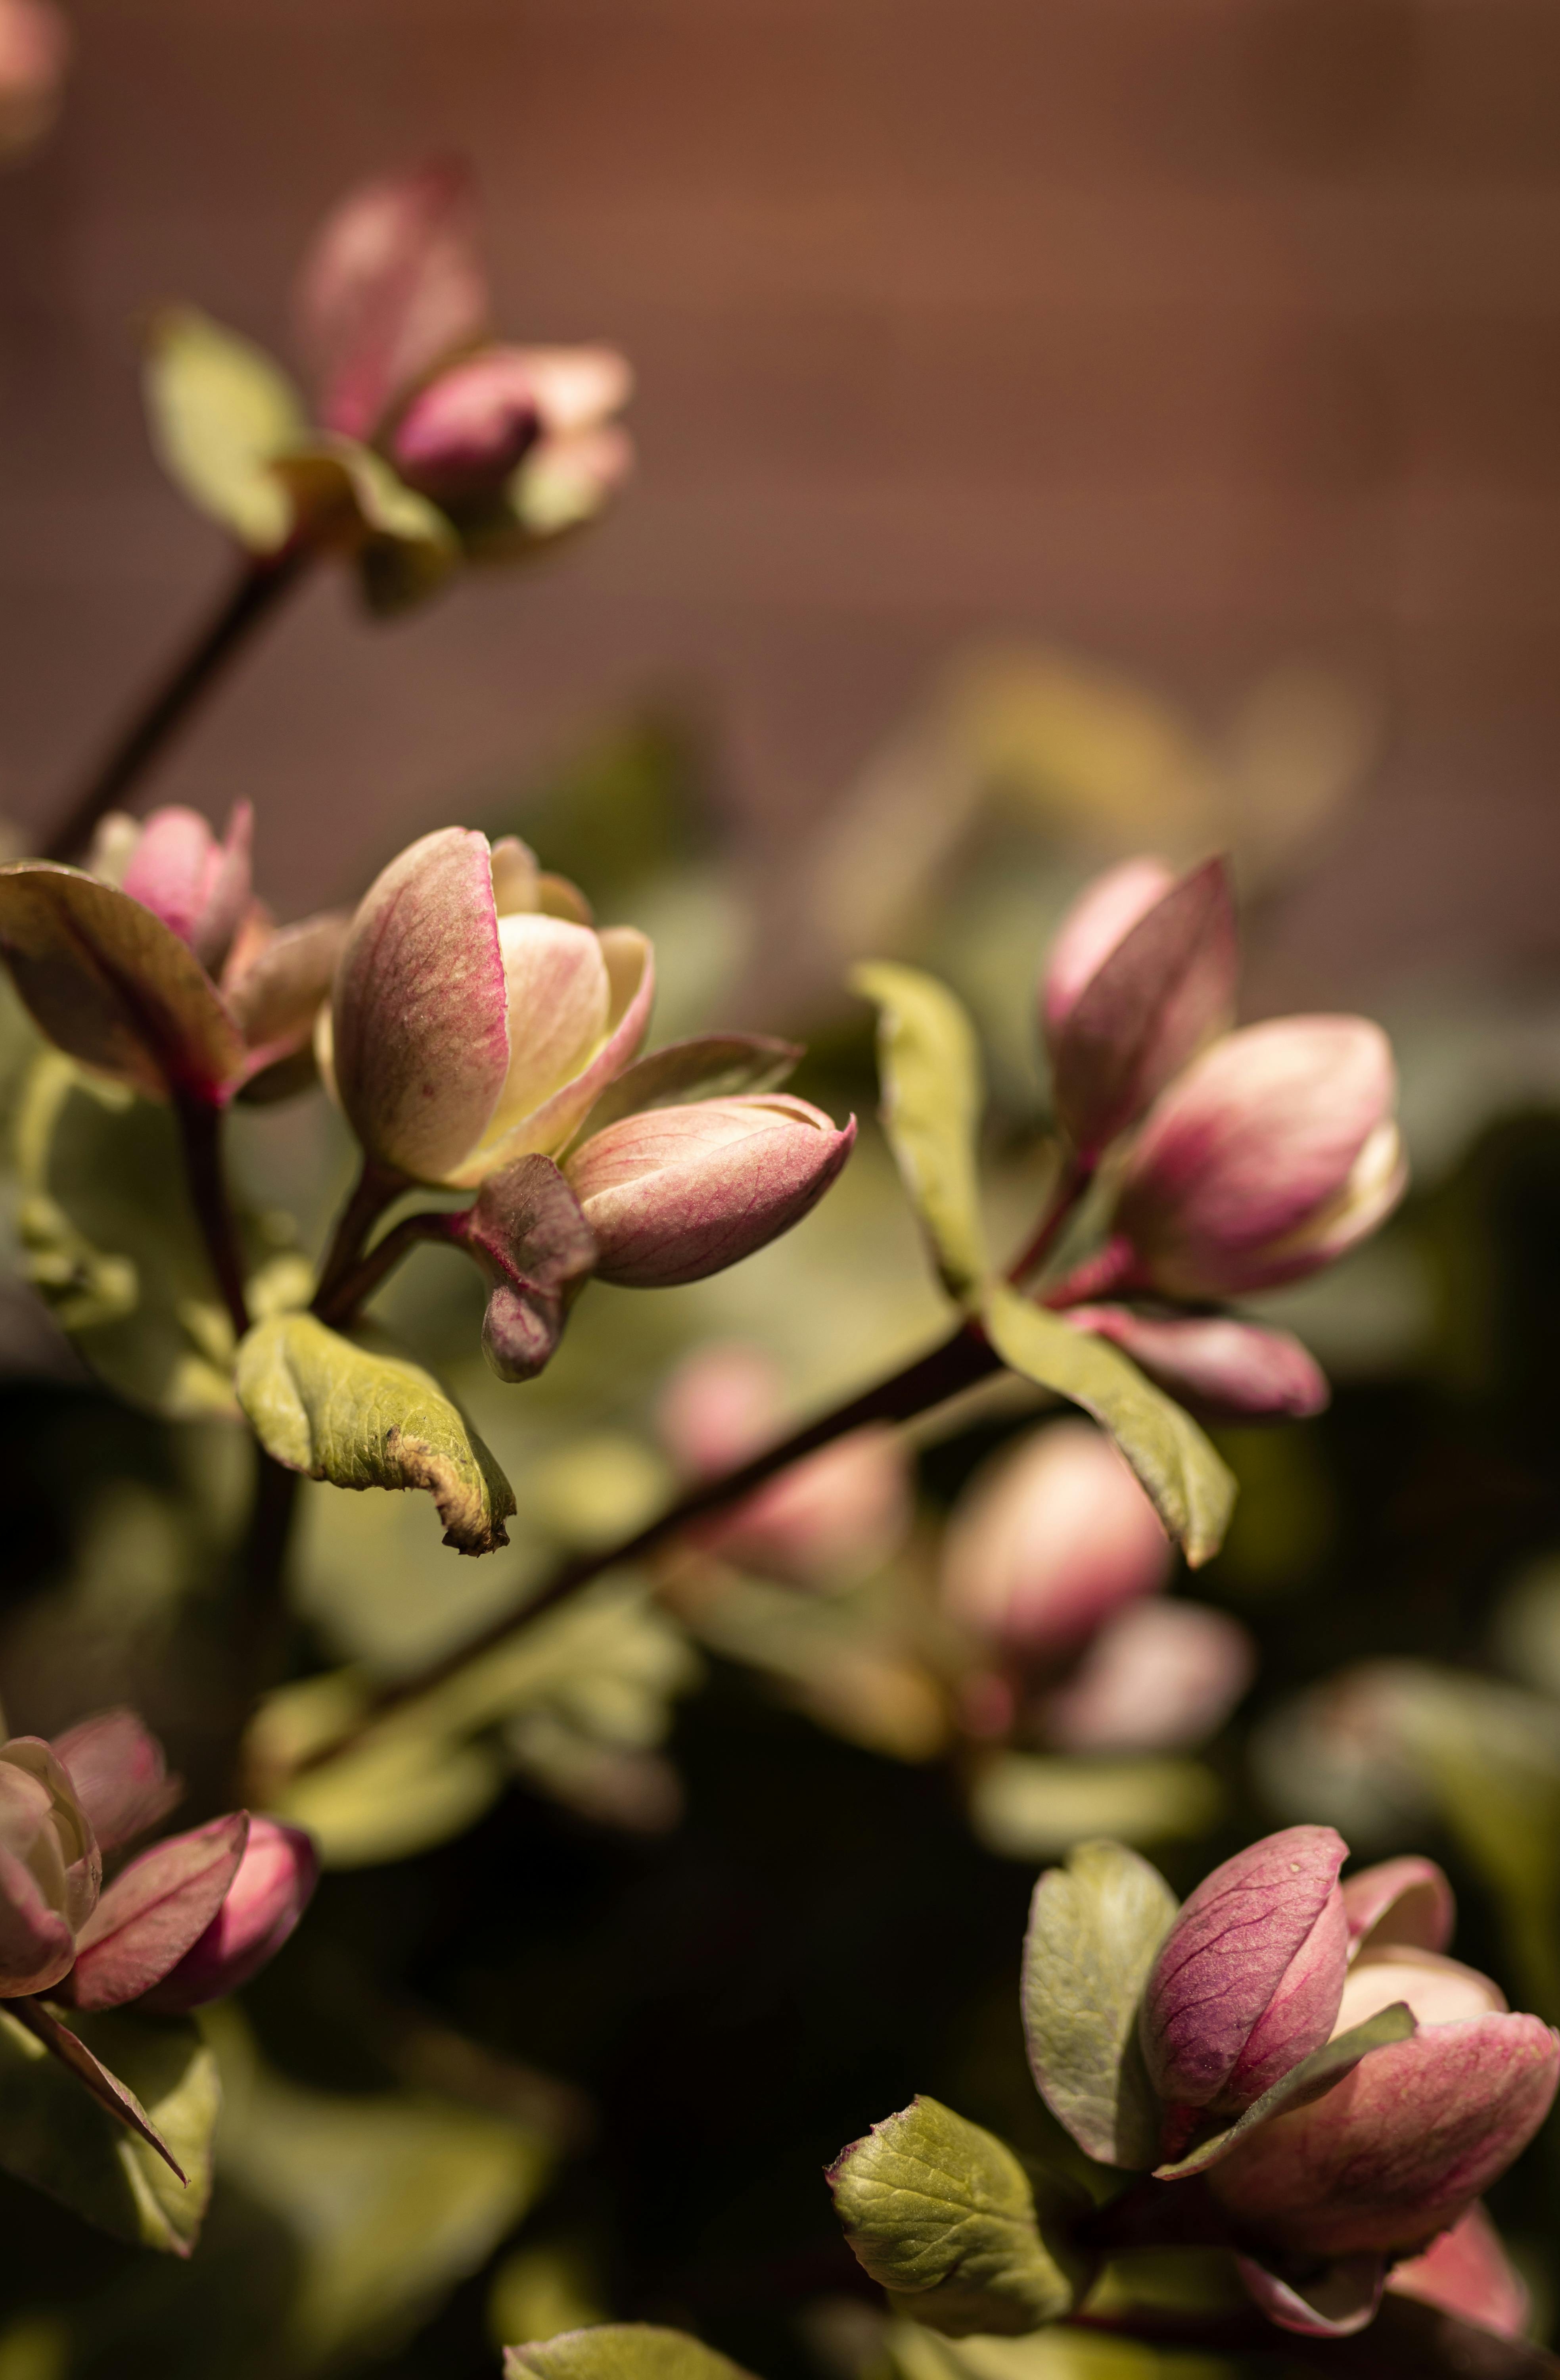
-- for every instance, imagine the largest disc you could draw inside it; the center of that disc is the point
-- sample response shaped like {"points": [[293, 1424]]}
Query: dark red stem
{"points": [[200, 1130]]}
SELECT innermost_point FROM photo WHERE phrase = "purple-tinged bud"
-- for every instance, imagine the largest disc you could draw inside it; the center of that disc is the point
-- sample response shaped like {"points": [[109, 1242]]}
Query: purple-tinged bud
{"points": [[1143, 973], [1160, 1675], [34, 52], [1273, 1154], [465, 432], [1049, 1541], [275, 1881], [391, 285], [51, 1869], [1249, 1979], [675, 1193], [1467, 2272], [118, 1775], [469, 1026], [1419, 2129], [1402, 1901], [198, 886], [827, 1521], [1220, 1370]]}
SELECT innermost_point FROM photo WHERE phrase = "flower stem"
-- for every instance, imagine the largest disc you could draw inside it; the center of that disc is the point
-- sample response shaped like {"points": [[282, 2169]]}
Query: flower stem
{"points": [[1072, 1188], [958, 1363], [377, 1187], [349, 1288], [200, 1131], [261, 583]]}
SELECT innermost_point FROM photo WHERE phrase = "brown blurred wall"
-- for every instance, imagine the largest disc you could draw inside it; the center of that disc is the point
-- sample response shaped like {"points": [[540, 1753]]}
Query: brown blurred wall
{"points": [[1193, 334]]}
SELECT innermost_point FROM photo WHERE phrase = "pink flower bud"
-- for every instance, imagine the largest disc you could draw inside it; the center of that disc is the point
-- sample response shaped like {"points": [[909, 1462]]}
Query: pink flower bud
{"points": [[677, 1193], [119, 1776], [468, 1030], [1271, 1155], [51, 1869], [273, 1888], [198, 886], [1249, 1979], [1051, 1539], [1467, 2272], [1404, 2143], [824, 1522], [34, 54], [462, 435], [1220, 1370], [1158, 1676], [1141, 974]]}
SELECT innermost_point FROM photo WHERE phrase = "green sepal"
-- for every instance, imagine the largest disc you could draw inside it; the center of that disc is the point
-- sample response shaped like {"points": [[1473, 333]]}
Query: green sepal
{"points": [[929, 1064], [360, 1416], [943, 2215], [1191, 1488], [1095, 1930]]}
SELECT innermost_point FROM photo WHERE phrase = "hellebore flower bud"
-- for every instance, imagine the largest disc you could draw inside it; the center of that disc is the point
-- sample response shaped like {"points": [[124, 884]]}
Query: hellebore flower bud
{"points": [[198, 886], [273, 1888], [1249, 1979], [461, 436], [1051, 1541], [1217, 1367], [677, 1193], [51, 1869], [1467, 2272], [469, 1026], [1142, 974], [1159, 1675], [1275, 1153], [1404, 2143], [827, 1521]]}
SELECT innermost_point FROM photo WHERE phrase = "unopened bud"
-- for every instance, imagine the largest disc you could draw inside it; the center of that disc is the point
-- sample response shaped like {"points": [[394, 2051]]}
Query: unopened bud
{"points": [[1048, 1542], [1160, 1675], [1249, 1979], [1273, 1154], [273, 1888], [1142, 974], [51, 1869], [678, 1193], [198, 886], [1217, 1367], [465, 432]]}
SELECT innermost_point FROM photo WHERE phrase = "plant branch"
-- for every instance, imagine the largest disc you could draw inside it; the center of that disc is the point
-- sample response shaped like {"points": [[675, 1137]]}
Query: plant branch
{"points": [[262, 581], [200, 1131], [1072, 1188], [360, 1281], [377, 1187], [958, 1363]]}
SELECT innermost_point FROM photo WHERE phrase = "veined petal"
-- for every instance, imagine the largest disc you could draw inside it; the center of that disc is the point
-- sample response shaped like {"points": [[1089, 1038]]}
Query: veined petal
{"points": [[631, 976], [36, 1943], [559, 998]]}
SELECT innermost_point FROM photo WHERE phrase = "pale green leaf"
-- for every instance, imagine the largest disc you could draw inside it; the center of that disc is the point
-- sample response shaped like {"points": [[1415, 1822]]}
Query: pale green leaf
{"points": [[1063, 2353], [1307, 2081], [405, 547], [619, 2351], [1094, 1929], [361, 1417], [942, 2216], [1029, 1806], [1192, 1490], [221, 412], [57, 2137], [391, 1797], [929, 1064]]}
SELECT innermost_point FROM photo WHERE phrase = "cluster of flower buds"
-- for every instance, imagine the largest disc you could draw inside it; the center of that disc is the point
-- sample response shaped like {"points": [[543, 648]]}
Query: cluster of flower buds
{"points": [[1257, 1156], [157, 965], [1269, 1960], [393, 305], [1051, 1564], [185, 1922], [827, 1521], [482, 1034]]}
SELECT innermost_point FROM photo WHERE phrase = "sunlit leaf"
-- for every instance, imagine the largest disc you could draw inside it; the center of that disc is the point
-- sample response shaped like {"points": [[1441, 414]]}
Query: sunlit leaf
{"points": [[619, 2351], [57, 2137], [929, 1062], [1307, 2081], [1095, 1928], [942, 2216], [391, 1797], [220, 411], [1192, 1490], [1032, 1805], [360, 1417]]}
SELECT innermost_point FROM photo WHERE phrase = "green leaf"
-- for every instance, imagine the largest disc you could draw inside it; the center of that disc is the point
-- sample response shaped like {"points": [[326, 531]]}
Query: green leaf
{"points": [[349, 496], [1094, 1929], [220, 413], [619, 2351], [1307, 2081], [391, 1796], [110, 1244], [709, 1066], [1191, 1488], [929, 1062], [360, 1417], [60, 2139], [943, 2215], [1029, 1806]]}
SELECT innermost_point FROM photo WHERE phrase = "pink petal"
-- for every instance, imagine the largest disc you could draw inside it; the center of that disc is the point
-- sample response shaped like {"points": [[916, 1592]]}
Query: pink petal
{"points": [[120, 1777], [1160, 1675], [1467, 2273], [558, 997], [1221, 1369], [631, 976], [274, 1884], [1335, 2303], [153, 1912], [1102, 916], [200, 888], [1406, 1900]]}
